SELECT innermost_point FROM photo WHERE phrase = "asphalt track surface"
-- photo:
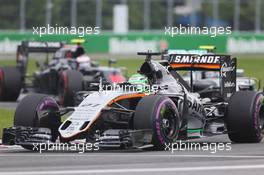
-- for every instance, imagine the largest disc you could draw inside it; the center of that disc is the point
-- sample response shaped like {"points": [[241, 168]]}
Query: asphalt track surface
{"points": [[8, 105], [241, 159], [12, 105]]}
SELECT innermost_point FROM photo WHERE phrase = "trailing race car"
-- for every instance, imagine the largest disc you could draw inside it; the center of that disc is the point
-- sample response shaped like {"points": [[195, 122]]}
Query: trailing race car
{"points": [[153, 109], [210, 79], [70, 70]]}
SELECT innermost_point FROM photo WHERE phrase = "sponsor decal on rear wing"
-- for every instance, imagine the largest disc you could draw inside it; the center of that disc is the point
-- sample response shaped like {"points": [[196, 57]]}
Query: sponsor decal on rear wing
{"points": [[37, 46], [195, 62]]}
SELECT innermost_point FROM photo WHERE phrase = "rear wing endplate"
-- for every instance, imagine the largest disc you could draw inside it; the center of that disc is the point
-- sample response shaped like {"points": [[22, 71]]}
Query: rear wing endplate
{"points": [[27, 47]]}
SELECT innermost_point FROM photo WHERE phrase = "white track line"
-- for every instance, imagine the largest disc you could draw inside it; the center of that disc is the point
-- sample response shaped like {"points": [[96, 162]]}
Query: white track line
{"points": [[126, 155], [139, 170]]}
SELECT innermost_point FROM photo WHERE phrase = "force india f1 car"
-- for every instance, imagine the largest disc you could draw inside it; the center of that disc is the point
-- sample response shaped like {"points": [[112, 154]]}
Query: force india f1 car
{"points": [[69, 71], [128, 118]]}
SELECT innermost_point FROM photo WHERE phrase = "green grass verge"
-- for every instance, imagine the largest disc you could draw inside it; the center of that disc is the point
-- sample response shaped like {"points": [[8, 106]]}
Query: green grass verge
{"points": [[6, 119], [253, 68]]}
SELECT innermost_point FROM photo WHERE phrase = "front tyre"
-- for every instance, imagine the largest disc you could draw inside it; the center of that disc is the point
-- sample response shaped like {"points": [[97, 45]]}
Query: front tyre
{"points": [[158, 113], [245, 117], [28, 112]]}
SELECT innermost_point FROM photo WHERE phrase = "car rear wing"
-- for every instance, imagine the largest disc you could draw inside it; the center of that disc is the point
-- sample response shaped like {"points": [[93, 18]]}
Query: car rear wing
{"points": [[225, 64], [37, 46], [27, 47]]}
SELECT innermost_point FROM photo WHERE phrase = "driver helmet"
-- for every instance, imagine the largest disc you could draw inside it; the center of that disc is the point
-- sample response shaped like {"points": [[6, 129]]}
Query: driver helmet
{"points": [[84, 61], [140, 81]]}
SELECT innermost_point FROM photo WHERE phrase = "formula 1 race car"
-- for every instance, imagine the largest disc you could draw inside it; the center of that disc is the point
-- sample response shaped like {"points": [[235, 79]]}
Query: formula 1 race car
{"points": [[70, 70], [154, 108]]}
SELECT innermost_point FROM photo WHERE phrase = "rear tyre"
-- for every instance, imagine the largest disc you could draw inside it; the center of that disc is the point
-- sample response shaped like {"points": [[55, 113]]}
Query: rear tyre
{"points": [[10, 83], [159, 114], [27, 114], [70, 82], [245, 117]]}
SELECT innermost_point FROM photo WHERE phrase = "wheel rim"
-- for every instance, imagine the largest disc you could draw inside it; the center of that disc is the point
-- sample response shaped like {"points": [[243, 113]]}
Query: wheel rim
{"points": [[168, 121], [47, 104], [261, 115]]}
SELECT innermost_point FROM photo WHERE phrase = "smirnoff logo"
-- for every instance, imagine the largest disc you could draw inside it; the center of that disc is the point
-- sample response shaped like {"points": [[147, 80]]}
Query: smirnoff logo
{"points": [[203, 59]]}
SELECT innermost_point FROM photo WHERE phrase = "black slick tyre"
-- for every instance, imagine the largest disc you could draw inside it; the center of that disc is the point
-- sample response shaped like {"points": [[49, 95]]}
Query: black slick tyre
{"points": [[159, 114], [27, 114], [10, 83], [70, 82], [245, 117]]}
